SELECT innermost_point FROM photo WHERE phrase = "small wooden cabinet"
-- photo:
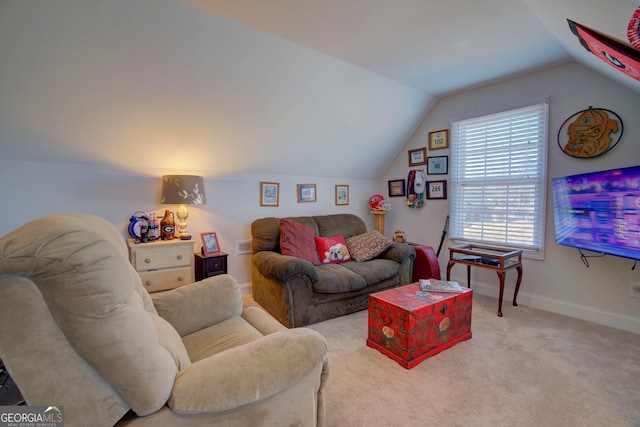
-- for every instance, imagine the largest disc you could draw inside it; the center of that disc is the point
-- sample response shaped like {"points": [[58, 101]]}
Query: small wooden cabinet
{"points": [[163, 264], [207, 266]]}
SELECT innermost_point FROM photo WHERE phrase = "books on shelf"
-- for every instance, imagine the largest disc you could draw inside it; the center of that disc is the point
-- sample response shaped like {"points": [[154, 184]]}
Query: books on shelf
{"points": [[434, 285]]}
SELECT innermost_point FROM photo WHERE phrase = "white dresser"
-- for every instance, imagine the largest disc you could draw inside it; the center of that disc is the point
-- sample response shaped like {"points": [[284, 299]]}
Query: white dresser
{"points": [[163, 264]]}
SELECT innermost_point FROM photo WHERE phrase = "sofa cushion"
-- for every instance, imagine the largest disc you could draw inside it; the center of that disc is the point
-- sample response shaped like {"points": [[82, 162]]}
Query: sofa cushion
{"points": [[169, 339], [337, 279], [346, 225], [332, 250], [375, 270], [366, 246], [223, 336], [297, 240]]}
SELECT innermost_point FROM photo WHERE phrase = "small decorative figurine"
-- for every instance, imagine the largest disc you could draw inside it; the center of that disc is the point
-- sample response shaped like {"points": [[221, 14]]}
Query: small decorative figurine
{"points": [[399, 236]]}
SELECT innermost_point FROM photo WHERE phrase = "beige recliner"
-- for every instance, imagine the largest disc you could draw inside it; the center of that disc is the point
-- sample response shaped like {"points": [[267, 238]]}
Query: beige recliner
{"points": [[77, 329]]}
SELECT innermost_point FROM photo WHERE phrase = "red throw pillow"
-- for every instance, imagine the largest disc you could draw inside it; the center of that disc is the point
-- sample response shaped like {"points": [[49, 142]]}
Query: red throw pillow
{"points": [[332, 250], [297, 240]]}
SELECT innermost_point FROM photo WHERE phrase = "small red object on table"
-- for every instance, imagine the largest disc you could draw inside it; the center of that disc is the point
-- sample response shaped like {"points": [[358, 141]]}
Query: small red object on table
{"points": [[410, 325]]}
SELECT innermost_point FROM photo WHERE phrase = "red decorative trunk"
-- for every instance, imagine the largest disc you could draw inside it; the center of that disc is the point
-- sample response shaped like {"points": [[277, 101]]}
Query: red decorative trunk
{"points": [[409, 325]]}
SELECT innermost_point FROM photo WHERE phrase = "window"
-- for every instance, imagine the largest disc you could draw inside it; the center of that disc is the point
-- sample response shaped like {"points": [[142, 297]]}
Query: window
{"points": [[498, 179]]}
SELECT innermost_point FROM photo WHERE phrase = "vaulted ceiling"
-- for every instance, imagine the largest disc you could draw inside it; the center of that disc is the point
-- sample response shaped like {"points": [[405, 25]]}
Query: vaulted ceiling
{"points": [[439, 47], [313, 88]]}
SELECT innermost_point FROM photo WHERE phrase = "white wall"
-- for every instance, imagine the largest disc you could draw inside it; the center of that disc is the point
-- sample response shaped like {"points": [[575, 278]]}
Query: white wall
{"points": [[164, 84], [33, 189], [559, 283]]}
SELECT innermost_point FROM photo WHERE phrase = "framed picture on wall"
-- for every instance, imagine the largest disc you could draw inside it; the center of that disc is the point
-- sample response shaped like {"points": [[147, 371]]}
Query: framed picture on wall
{"points": [[269, 193], [436, 189], [342, 194], [438, 165], [397, 188], [306, 193], [418, 157], [439, 139]]}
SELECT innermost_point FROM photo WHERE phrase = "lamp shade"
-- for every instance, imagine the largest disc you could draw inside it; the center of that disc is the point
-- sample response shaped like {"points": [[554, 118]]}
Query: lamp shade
{"points": [[183, 189]]}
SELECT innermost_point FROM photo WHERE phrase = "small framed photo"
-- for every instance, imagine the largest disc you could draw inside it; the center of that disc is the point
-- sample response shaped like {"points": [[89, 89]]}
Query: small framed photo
{"points": [[418, 157], [438, 165], [342, 195], [397, 188], [210, 244], [306, 193], [436, 189], [269, 193], [439, 139]]}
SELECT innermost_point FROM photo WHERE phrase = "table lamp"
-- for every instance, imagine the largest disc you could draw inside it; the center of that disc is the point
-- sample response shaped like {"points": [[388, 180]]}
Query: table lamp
{"points": [[183, 190]]}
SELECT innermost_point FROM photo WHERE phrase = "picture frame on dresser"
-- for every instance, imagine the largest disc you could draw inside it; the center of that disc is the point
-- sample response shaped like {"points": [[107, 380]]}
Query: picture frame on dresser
{"points": [[210, 245]]}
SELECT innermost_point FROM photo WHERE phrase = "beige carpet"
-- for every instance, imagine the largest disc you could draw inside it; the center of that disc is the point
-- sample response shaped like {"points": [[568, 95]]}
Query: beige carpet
{"points": [[528, 368]]}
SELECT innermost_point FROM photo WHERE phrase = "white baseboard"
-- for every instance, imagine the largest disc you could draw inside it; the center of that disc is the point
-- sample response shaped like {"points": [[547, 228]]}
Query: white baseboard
{"points": [[565, 308]]}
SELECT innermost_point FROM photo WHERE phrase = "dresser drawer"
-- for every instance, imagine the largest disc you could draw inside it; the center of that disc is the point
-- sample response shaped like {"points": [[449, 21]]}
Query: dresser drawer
{"points": [[210, 266], [151, 258], [163, 264], [162, 280]]}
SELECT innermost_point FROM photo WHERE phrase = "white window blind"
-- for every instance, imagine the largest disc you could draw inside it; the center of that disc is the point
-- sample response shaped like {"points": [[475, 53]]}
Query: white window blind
{"points": [[498, 178]]}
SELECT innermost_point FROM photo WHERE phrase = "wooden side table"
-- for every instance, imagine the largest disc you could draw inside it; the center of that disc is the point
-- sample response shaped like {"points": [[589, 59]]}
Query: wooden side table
{"points": [[207, 266], [493, 258]]}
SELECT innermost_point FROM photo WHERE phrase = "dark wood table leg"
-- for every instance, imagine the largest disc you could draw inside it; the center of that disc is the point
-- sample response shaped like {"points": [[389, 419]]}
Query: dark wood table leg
{"points": [[501, 275], [515, 294], [449, 265], [468, 276]]}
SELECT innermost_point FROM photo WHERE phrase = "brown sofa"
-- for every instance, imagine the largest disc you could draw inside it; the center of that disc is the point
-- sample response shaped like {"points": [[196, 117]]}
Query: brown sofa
{"points": [[298, 293]]}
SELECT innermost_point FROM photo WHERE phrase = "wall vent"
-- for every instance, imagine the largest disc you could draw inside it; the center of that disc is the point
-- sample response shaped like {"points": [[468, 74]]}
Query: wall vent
{"points": [[243, 247]]}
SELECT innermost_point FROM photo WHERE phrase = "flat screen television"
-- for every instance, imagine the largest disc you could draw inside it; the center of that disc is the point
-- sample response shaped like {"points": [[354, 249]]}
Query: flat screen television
{"points": [[599, 211]]}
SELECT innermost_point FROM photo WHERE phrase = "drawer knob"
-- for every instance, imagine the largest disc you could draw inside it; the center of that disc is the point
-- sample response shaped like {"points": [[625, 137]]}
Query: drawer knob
{"points": [[180, 279], [147, 260], [148, 283], [179, 256]]}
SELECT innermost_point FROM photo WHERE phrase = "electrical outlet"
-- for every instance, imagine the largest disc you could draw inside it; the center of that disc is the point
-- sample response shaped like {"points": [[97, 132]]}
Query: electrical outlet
{"points": [[634, 289]]}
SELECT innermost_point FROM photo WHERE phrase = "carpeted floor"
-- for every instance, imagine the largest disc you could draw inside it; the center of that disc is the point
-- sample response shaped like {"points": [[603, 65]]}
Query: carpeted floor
{"points": [[528, 368]]}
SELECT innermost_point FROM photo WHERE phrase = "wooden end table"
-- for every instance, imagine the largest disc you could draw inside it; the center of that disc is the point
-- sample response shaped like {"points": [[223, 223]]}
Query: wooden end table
{"points": [[493, 258]]}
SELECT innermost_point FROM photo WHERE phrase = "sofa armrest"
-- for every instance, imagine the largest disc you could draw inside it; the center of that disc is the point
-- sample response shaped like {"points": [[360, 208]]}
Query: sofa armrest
{"points": [[280, 267], [249, 373], [398, 252], [199, 305]]}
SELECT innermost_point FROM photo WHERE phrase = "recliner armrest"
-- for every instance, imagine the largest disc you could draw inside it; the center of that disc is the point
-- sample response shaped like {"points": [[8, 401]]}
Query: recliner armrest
{"points": [[249, 373], [280, 267], [199, 305], [398, 252]]}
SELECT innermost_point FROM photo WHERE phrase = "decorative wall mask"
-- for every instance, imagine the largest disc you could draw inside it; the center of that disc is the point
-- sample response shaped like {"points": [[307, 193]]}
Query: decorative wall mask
{"points": [[590, 134]]}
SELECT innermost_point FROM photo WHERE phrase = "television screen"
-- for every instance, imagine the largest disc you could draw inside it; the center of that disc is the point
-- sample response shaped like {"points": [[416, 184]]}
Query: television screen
{"points": [[599, 211]]}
